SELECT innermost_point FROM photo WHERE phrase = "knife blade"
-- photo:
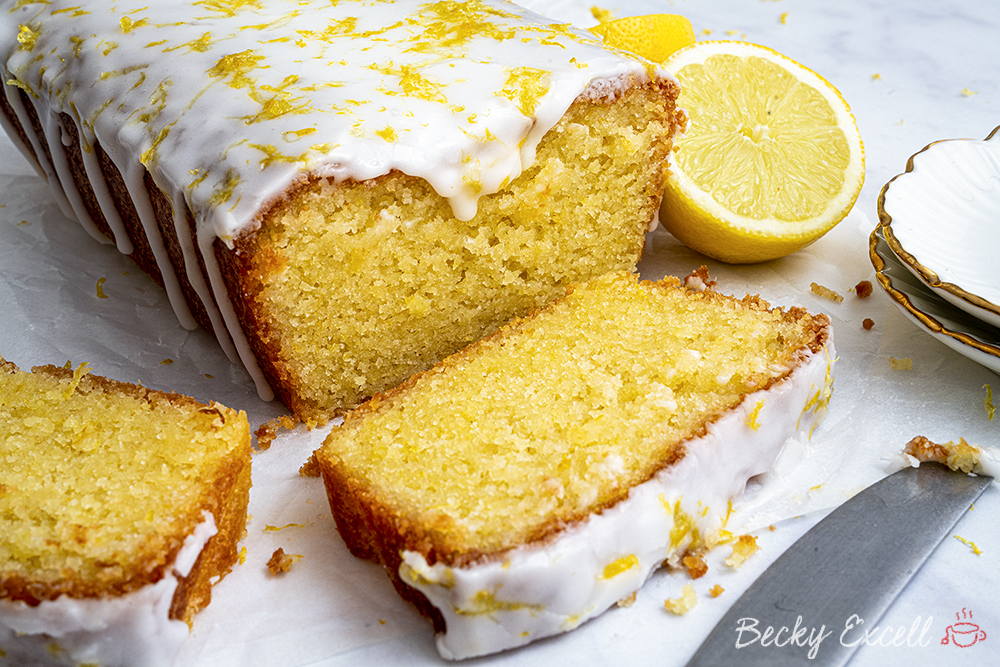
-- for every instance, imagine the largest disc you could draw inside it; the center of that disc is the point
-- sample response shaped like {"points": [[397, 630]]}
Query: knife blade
{"points": [[849, 566]]}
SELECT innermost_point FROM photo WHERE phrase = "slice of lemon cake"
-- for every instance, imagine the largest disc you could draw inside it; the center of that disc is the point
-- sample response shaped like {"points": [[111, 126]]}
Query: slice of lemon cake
{"points": [[120, 507], [342, 192], [527, 483]]}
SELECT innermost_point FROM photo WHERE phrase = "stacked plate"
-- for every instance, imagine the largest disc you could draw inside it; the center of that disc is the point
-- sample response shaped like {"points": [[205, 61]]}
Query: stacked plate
{"points": [[936, 249]]}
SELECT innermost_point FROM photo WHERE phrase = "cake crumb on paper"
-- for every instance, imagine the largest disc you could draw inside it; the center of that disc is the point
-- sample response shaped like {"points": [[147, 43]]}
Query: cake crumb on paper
{"points": [[868, 324], [684, 603], [281, 562], [825, 292], [268, 431], [716, 590], [743, 548], [696, 566], [863, 289]]}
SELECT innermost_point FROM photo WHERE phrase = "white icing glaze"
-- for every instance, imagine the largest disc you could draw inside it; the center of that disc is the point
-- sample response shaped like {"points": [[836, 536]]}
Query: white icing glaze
{"points": [[40, 159], [104, 201], [55, 137], [234, 104], [541, 590], [128, 630]]}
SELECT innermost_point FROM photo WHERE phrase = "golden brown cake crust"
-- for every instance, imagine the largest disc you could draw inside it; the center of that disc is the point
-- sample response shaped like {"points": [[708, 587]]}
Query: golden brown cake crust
{"points": [[225, 495]]}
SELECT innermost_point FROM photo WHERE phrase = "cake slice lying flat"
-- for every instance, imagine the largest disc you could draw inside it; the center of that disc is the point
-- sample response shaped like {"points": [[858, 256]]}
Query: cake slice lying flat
{"points": [[119, 508], [529, 482]]}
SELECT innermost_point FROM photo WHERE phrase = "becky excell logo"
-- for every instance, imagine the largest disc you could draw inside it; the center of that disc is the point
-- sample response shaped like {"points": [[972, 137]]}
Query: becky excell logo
{"points": [[965, 633]]}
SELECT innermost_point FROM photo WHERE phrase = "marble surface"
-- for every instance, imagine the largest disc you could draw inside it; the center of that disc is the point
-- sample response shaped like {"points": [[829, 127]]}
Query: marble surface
{"points": [[913, 72]]}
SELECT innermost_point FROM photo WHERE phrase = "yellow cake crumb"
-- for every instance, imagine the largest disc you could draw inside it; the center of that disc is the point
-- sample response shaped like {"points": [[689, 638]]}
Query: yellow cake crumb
{"points": [[743, 548], [268, 431], [716, 590], [825, 292], [696, 566], [991, 408], [280, 562], [960, 456], [100, 288], [682, 604]]}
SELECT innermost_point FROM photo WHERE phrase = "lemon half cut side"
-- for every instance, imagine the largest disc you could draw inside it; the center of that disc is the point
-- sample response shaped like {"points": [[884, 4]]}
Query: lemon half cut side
{"points": [[772, 158]]}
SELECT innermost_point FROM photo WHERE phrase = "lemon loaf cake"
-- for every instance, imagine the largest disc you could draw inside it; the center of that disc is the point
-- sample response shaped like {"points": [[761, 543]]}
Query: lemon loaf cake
{"points": [[120, 507], [343, 193], [532, 480]]}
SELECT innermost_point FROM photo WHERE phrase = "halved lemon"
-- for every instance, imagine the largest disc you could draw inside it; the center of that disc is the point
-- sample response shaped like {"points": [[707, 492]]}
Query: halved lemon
{"points": [[653, 36], [772, 158]]}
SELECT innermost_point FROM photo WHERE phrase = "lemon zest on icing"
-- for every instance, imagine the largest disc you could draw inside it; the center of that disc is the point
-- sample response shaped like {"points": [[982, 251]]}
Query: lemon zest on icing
{"points": [[616, 567]]}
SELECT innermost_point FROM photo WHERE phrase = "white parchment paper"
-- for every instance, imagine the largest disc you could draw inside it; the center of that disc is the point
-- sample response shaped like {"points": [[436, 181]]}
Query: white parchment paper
{"points": [[913, 73]]}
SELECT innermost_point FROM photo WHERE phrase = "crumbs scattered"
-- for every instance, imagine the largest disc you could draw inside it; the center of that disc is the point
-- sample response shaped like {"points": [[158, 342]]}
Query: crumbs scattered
{"points": [[696, 565], [167, 362], [268, 431], [243, 555], [743, 548], [969, 92], [976, 550], [716, 590], [904, 364], [991, 408], [100, 288], [684, 603], [868, 324], [24, 222], [863, 289], [825, 292], [310, 468], [784, 18], [876, 77], [280, 562], [706, 32], [209, 376]]}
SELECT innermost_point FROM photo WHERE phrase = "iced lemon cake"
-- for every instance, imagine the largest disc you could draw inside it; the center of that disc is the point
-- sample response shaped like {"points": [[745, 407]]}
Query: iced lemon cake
{"points": [[120, 507], [342, 192], [529, 482]]}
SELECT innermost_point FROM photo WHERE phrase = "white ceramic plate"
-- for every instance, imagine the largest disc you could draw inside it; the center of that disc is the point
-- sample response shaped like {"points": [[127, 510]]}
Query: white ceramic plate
{"points": [[967, 335], [941, 217]]}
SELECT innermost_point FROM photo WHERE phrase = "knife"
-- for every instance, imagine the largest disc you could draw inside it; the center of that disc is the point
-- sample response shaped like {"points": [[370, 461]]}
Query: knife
{"points": [[848, 567]]}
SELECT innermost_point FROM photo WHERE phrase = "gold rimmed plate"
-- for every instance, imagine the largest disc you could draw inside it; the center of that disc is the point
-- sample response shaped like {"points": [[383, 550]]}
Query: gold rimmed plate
{"points": [[974, 338], [941, 218]]}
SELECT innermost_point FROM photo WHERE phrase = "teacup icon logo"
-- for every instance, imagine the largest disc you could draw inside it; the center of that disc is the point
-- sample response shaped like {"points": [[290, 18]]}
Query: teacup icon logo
{"points": [[963, 633]]}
